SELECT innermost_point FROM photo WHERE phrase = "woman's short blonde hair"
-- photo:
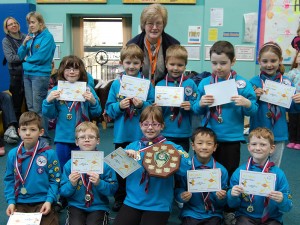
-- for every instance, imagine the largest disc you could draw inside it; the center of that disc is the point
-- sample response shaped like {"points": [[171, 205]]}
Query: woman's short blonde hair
{"points": [[5, 24], [39, 18], [152, 12]]}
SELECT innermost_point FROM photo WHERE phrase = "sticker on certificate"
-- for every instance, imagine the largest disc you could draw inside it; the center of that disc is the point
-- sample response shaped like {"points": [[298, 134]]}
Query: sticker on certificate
{"points": [[121, 162], [169, 96], [257, 183], [222, 91], [87, 161], [204, 180], [71, 91], [19, 218], [134, 87], [277, 93]]}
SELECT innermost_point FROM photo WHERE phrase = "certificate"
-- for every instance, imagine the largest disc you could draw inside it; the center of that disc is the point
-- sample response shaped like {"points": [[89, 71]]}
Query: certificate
{"points": [[257, 183], [71, 91], [222, 91], [277, 93], [169, 96], [87, 161], [121, 162], [134, 87], [204, 180], [19, 218]]}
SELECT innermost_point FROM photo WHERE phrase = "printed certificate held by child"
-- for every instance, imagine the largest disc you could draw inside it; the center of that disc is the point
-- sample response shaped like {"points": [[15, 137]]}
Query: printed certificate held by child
{"points": [[121, 162], [134, 87], [169, 96], [222, 91], [71, 91], [204, 180], [277, 93], [87, 161], [19, 218], [257, 183]]}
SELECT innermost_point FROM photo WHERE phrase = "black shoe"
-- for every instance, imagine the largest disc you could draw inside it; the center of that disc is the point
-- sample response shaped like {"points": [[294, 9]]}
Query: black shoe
{"points": [[117, 205]]}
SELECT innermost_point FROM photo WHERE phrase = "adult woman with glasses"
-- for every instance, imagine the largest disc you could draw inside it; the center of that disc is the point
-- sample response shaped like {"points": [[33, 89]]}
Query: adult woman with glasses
{"points": [[10, 44], [154, 41], [37, 51]]}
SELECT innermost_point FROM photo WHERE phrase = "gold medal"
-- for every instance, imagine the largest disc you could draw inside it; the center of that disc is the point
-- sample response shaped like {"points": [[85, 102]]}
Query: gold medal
{"points": [[23, 191], [220, 119], [250, 209], [69, 116], [269, 114], [87, 197]]}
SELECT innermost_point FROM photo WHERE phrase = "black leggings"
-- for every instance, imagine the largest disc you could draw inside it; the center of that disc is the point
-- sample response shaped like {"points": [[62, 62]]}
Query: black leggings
{"points": [[131, 216]]}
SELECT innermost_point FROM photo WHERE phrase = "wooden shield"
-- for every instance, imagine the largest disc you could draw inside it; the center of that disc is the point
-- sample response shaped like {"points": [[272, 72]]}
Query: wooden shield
{"points": [[161, 160]]}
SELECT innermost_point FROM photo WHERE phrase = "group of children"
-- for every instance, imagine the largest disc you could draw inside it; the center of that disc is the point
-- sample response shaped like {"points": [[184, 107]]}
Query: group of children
{"points": [[145, 199]]}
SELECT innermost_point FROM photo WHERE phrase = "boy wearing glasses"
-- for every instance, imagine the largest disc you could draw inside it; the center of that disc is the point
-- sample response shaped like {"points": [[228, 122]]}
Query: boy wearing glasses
{"points": [[87, 194], [125, 111], [178, 119], [149, 198]]}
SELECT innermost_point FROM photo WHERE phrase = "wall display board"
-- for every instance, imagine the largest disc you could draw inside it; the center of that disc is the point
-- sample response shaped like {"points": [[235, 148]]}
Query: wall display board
{"points": [[161, 1], [278, 22], [71, 1]]}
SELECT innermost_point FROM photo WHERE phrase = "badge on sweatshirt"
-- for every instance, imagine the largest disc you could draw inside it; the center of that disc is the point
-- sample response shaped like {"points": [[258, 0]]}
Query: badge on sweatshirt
{"points": [[240, 83], [188, 91], [287, 82], [40, 170], [41, 160]]}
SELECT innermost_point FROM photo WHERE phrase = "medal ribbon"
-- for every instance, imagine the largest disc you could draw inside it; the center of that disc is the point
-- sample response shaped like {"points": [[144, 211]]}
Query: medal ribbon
{"points": [[153, 58], [206, 195], [18, 165], [265, 169], [70, 107], [212, 111], [273, 109], [145, 176], [175, 110], [88, 185]]}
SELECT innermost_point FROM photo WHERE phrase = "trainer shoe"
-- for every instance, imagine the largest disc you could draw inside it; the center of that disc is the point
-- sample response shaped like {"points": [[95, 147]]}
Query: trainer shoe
{"points": [[9, 140], [297, 146], [290, 145], [229, 218], [11, 133]]}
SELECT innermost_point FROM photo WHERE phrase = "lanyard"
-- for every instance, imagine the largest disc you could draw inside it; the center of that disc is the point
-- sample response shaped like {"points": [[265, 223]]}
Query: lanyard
{"points": [[153, 57]]}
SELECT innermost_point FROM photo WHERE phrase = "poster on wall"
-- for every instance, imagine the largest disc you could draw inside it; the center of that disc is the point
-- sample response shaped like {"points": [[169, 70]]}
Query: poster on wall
{"points": [[160, 1], [194, 35], [71, 1], [57, 30], [278, 22], [216, 17]]}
